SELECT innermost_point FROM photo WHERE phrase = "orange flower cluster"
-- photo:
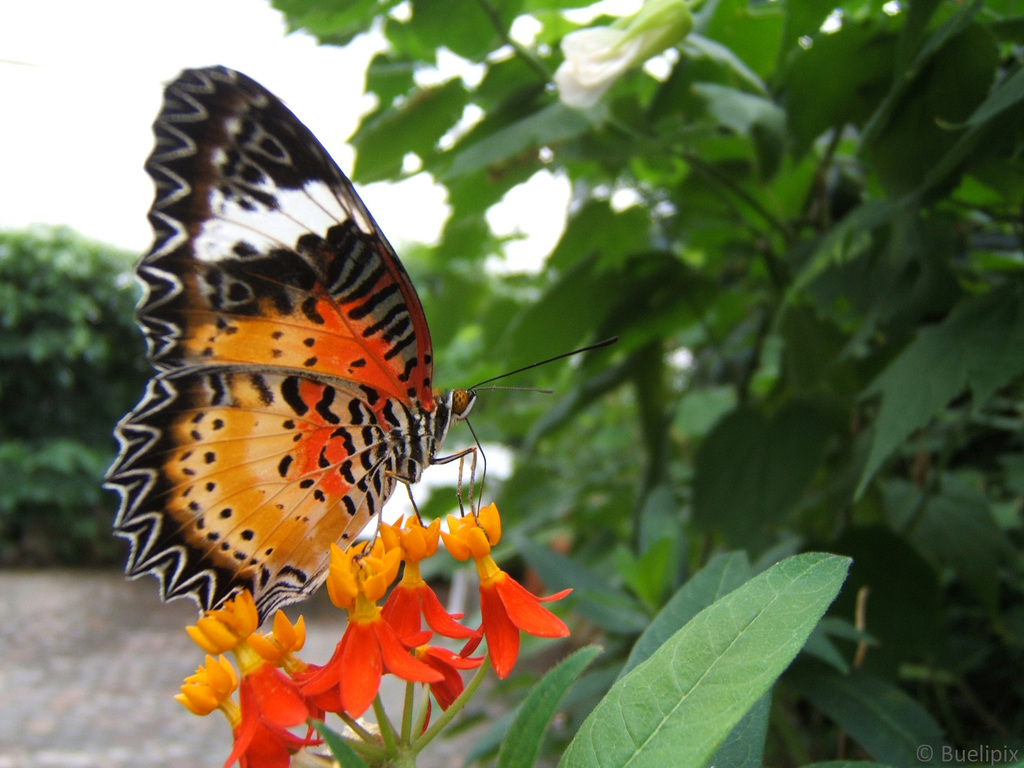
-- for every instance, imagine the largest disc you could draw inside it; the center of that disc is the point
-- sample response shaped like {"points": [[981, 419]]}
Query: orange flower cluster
{"points": [[277, 691]]}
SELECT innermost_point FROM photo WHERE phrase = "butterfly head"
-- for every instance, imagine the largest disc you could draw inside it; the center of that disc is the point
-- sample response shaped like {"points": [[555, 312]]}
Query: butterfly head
{"points": [[460, 403]]}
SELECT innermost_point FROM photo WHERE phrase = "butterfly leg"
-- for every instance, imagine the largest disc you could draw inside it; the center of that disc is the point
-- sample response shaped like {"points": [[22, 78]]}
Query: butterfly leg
{"points": [[415, 509], [472, 451]]}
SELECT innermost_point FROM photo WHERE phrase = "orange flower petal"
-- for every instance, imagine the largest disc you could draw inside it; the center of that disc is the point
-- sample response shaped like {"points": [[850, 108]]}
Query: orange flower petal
{"points": [[490, 521], [524, 610], [447, 690], [390, 535], [360, 668], [438, 619], [276, 697], [478, 542], [402, 611], [318, 680], [502, 635], [399, 660], [456, 547]]}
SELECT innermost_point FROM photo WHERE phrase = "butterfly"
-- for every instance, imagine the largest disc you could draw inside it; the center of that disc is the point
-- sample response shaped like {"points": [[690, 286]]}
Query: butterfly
{"points": [[293, 384]]}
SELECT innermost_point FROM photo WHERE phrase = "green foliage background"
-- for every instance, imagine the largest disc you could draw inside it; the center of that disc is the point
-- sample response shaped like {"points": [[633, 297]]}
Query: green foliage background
{"points": [[819, 296], [818, 291], [71, 363]]}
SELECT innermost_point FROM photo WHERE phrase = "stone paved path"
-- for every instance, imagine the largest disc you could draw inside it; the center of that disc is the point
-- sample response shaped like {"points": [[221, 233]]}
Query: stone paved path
{"points": [[89, 664]]}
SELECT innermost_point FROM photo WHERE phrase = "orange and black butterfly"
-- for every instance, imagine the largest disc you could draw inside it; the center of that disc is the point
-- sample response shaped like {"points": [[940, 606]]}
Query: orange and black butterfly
{"points": [[294, 370]]}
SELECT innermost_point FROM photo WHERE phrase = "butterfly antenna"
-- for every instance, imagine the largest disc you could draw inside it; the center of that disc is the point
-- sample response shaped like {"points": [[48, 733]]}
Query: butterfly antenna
{"points": [[581, 350], [541, 390]]}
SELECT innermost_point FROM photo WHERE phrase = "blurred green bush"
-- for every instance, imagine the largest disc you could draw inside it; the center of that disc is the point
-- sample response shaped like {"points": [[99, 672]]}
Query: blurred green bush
{"points": [[72, 362]]}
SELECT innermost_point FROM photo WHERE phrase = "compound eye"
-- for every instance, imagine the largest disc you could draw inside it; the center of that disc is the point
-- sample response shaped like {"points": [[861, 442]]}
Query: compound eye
{"points": [[462, 401]]}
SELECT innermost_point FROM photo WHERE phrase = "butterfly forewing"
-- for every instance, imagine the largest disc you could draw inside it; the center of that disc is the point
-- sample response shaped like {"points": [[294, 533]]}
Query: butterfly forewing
{"points": [[258, 234], [293, 357]]}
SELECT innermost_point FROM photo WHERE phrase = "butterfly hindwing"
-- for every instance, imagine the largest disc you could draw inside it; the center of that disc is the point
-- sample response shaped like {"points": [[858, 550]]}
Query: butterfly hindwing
{"points": [[245, 479], [293, 385]]}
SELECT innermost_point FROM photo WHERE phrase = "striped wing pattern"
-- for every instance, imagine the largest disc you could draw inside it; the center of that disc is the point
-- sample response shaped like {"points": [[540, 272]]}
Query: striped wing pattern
{"points": [[293, 384]]}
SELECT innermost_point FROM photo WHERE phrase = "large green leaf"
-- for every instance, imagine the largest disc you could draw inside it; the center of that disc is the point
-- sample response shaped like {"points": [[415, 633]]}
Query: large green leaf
{"points": [[465, 27], [720, 576], [957, 530], [753, 32], [416, 125], [883, 719], [569, 312], [678, 706], [905, 613], [548, 126], [858, 58], [976, 347], [749, 115], [598, 230], [334, 23], [945, 93], [744, 746], [987, 119], [751, 469]]}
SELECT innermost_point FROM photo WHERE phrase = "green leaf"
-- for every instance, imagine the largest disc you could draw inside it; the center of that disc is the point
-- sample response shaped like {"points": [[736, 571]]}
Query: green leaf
{"points": [[700, 409], [390, 77], [598, 230], [952, 27], [525, 736], [1007, 95], [722, 574], [858, 58], [678, 706], [751, 469], [462, 26], [550, 125], [752, 32], [341, 751], [748, 115], [944, 93], [647, 574], [906, 614], [958, 530], [569, 311], [699, 46], [851, 237], [416, 125], [744, 746], [883, 719], [331, 23], [967, 350]]}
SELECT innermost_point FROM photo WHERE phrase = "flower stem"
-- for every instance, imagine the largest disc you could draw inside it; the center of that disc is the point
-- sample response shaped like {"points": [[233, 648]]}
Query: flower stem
{"points": [[448, 715], [407, 712], [387, 731], [357, 729], [422, 713]]}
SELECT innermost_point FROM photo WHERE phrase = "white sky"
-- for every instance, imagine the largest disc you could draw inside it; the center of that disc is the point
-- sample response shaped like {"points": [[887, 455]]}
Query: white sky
{"points": [[81, 83]]}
